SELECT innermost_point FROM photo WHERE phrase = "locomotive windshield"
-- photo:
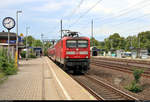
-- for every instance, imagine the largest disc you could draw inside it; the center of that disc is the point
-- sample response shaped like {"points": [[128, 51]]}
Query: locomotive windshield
{"points": [[77, 43], [71, 43], [82, 43]]}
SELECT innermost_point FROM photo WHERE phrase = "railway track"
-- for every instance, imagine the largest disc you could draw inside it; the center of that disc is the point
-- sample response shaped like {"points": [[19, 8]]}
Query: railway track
{"points": [[101, 90], [118, 66], [129, 62]]}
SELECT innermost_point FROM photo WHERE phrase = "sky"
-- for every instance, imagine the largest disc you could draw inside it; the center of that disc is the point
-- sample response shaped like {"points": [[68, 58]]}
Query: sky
{"points": [[126, 17]]}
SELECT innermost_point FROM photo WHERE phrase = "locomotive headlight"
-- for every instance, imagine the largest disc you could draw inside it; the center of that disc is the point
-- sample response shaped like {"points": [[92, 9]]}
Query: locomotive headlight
{"points": [[87, 57], [70, 52], [83, 52], [67, 56]]}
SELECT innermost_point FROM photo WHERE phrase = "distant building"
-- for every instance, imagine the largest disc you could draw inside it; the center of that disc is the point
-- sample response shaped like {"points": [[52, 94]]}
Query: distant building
{"points": [[140, 53], [94, 51], [37, 51], [4, 42]]}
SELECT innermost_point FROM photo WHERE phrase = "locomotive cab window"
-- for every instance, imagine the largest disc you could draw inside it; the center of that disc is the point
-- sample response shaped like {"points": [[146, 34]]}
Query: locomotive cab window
{"points": [[82, 43], [71, 43]]}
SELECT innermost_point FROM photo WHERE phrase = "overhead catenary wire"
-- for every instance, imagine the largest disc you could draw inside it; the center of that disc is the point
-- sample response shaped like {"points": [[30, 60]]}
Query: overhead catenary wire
{"points": [[126, 10], [71, 15], [124, 13], [76, 9], [85, 13], [132, 19]]}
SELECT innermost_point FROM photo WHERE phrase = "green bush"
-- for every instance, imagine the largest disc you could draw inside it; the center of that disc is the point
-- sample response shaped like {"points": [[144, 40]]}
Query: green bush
{"points": [[10, 71], [2, 75], [137, 74], [31, 55], [23, 54], [3, 63], [6, 67], [134, 87]]}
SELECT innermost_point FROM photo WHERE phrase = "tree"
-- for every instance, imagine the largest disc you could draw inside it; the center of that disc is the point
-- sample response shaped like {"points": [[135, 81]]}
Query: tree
{"points": [[131, 41], [94, 42], [30, 40], [46, 46], [37, 43], [114, 42], [144, 38]]}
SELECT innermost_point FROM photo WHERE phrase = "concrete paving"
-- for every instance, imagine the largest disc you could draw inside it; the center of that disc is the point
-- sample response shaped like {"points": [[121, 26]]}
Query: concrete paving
{"points": [[33, 82], [41, 79], [71, 90]]}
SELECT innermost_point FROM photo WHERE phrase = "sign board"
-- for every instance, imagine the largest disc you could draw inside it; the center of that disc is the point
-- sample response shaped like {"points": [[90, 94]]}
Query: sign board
{"points": [[21, 35]]}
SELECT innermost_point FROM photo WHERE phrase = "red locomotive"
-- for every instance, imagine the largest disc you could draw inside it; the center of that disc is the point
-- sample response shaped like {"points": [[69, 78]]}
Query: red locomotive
{"points": [[73, 52]]}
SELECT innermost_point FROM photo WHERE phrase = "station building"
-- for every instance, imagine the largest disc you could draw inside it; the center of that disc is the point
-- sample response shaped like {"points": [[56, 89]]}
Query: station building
{"points": [[12, 43]]}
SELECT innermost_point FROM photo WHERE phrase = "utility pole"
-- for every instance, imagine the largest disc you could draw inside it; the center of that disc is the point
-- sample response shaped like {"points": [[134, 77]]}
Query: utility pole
{"points": [[131, 45], [92, 43], [61, 28], [139, 47], [43, 44], [139, 41]]}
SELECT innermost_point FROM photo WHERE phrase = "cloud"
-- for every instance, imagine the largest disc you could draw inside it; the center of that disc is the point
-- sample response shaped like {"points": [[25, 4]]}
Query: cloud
{"points": [[47, 20], [52, 6], [42, 15], [8, 3], [97, 9]]}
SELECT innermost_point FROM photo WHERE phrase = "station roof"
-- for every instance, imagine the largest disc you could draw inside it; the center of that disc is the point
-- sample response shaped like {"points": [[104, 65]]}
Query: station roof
{"points": [[4, 35]]}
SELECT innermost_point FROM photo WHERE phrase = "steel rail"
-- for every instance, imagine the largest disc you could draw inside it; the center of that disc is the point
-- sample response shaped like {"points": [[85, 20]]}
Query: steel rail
{"points": [[96, 95], [127, 63], [118, 68], [125, 60], [112, 88]]}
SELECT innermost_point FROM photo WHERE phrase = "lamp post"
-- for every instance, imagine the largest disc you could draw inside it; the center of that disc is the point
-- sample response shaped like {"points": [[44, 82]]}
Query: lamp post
{"points": [[17, 36], [26, 42]]}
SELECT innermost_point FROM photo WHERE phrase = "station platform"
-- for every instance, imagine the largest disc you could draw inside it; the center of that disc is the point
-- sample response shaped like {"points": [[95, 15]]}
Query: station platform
{"points": [[41, 79]]}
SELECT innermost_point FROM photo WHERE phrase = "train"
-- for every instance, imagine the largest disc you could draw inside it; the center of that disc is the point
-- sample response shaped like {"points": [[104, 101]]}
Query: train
{"points": [[72, 52]]}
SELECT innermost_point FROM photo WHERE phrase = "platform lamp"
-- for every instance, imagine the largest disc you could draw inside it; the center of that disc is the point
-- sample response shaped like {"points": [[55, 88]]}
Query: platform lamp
{"points": [[27, 42], [17, 36]]}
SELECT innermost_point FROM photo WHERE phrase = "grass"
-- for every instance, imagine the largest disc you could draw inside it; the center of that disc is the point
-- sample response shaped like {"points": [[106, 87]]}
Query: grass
{"points": [[3, 77]]}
